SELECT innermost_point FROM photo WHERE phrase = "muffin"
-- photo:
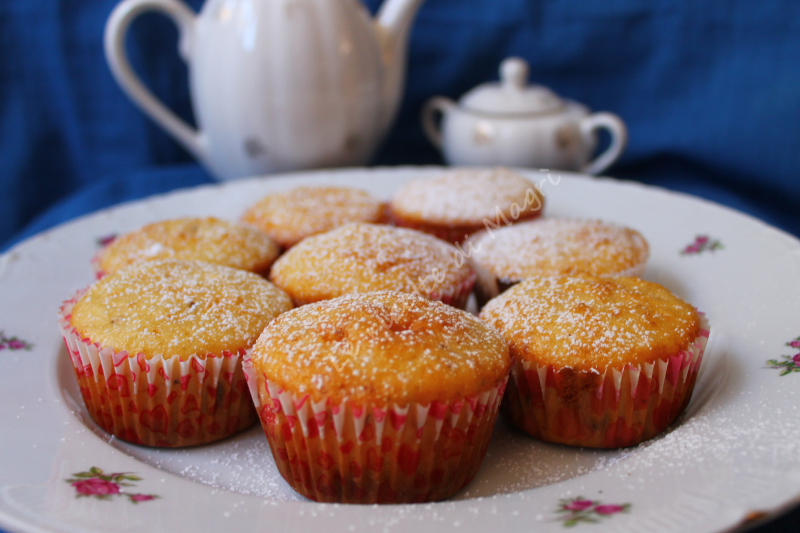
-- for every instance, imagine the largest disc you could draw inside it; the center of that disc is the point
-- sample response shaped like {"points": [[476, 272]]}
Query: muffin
{"points": [[191, 239], [461, 202], [157, 349], [600, 362], [552, 247], [291, 216], [381, 397], [366, 258]]}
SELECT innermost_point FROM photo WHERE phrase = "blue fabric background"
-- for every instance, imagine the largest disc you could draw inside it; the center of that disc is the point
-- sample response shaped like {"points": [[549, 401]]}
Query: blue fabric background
{"points": [[710, 91]]}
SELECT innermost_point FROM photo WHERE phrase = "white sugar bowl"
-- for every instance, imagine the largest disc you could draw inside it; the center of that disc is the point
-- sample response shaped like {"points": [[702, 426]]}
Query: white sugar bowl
{"points": [[518, 125]]}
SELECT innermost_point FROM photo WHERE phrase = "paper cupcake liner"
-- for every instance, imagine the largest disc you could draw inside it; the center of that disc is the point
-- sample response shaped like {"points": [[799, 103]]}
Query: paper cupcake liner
{"points": [[159, 401], [95, 262], [610, 410], [348, 453], [458, 296]]}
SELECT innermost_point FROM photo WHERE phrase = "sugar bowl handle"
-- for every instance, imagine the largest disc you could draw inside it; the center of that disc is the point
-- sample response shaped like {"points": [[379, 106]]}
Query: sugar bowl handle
{"points": [[435, 105], [619, 138], [116, 28]]}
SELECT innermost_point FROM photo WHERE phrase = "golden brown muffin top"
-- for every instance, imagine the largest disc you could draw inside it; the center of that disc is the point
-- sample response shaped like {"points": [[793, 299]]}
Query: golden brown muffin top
{"points": [[290, 216], [366, 258], [192, 239], [551, 247], [586, 322], [180, 308], [381, 347], [467, 197]]}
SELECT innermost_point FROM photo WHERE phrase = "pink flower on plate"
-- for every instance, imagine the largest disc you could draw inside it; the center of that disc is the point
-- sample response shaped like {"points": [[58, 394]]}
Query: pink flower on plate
{"points": [[95, 487], [578, 505], [702, 243], [787, 364], [608, 509], [96, 483], [579, 510], [13, 343], [105, 240]]}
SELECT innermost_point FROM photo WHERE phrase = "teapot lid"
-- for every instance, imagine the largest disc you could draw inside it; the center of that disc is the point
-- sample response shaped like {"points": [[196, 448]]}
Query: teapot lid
{"points": [[512, 95]]}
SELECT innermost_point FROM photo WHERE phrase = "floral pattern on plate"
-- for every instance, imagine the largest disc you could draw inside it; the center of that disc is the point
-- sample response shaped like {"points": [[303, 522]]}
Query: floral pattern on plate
{"points": [[702, 243], [790, 363], [13, 343], [573, 511], [97, 484], [105, 240]]}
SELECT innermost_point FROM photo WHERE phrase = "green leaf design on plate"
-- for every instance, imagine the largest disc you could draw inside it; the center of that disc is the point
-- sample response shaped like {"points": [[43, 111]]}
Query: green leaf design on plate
{"points": [[578, 510], [95, 483]]}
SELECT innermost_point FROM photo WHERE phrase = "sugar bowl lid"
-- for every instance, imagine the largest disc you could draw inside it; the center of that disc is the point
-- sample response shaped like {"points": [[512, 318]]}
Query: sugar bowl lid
{"points": [[513, 95]]}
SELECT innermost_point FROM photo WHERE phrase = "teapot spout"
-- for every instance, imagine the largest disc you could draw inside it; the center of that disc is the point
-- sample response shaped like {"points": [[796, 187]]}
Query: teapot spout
{"points": [[393, 27], [395, 17]]}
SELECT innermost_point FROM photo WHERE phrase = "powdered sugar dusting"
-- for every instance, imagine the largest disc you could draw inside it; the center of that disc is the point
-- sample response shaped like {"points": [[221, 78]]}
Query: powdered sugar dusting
{"points": [[464, 196], [293, 215], [178, 308], [242, 463], [586, 322], [191, 239], [559, 246], [367, 257], [696, 466], [381, 346]]}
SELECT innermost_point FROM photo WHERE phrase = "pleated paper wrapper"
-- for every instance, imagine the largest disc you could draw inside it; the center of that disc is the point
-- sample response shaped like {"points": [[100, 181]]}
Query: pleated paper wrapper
{"points": [[610, 410], [161, 401], [348, 453], [95, 261], [457, 297]]}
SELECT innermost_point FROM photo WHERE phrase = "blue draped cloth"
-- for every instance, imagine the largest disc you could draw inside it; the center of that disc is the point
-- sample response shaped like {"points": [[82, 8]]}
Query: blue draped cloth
{"points": [[710, 92]]}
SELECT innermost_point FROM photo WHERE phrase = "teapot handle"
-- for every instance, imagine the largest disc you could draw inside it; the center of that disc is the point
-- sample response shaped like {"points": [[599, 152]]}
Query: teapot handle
{"points": [[116, 29], [619, 138], [436, 104]]}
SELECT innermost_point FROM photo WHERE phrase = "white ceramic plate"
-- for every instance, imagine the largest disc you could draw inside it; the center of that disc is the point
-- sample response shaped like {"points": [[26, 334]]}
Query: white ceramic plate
{"points": [[734, 453]]}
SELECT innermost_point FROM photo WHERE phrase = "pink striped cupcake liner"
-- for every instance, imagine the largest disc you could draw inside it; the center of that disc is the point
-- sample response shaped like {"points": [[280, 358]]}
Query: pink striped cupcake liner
{"points": [[160, 401], [609, 410], [458, 296], [368, 453]]}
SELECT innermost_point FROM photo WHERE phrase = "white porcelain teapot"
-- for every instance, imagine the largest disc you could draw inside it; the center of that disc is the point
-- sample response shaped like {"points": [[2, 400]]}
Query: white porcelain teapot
{"points": [[277, 84], [517, 125]]}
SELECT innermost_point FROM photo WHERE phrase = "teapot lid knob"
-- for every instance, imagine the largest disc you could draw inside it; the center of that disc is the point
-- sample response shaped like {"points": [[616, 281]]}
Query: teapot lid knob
{"points": [[514, 73], [513, 95]]}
